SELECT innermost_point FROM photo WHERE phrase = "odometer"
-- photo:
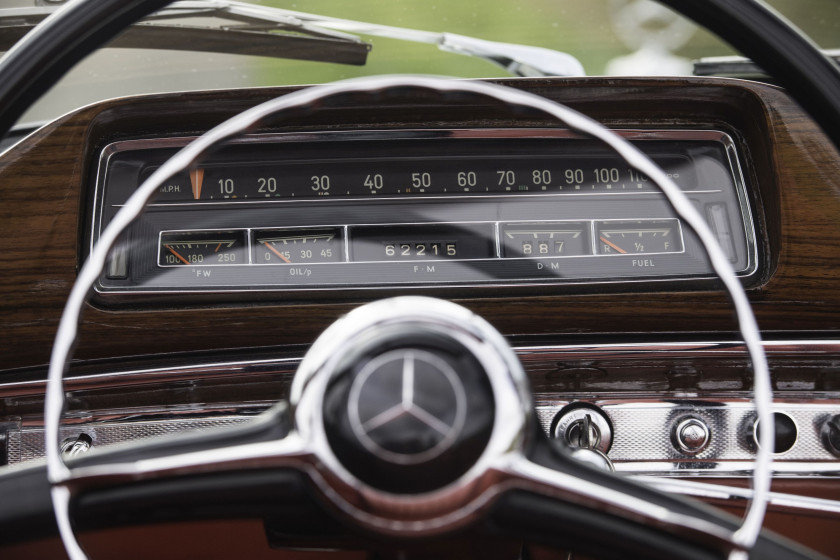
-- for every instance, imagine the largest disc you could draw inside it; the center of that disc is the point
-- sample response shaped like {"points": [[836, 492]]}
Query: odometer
{"points": [[397, 243]]}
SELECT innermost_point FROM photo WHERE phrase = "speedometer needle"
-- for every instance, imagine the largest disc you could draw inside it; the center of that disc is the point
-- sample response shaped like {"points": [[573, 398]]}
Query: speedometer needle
{"points": [[613, 245], [276, 252], [196, 179]]}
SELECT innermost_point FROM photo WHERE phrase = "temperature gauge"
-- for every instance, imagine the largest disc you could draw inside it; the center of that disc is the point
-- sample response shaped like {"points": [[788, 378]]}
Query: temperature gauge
{"points": [[300, 246], [638, 236], [549, 239], [202, 248]]}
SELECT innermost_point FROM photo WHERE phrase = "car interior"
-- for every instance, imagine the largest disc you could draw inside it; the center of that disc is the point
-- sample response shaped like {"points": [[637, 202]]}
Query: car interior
{"points": [[361, 310]]}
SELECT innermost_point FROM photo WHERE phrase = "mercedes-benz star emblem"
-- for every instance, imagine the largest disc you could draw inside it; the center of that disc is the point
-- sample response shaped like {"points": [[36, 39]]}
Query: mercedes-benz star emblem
{"points": [[407, 406]]}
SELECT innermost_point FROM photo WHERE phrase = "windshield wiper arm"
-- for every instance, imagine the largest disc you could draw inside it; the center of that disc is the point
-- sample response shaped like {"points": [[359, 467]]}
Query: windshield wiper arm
{"points": [[520, 60], [236, 29]]}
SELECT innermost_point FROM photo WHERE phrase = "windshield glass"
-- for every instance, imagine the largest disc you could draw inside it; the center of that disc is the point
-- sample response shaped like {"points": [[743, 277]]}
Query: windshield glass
{"points": [[608, 37]]}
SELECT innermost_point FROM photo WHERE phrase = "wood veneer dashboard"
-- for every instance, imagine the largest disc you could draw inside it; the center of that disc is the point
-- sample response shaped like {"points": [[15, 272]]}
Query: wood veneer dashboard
{"points": [[792, 170]]}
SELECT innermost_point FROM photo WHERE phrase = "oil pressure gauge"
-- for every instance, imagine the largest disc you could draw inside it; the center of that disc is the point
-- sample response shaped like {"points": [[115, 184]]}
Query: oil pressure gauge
{"points": [[298, 246]]}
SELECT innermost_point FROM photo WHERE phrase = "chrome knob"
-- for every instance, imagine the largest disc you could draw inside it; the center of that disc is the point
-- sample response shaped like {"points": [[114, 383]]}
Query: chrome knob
{"points": [[691, 436], [72, 447]]}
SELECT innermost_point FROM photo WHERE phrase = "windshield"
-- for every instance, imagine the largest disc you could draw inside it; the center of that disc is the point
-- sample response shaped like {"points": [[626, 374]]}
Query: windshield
{"points": [[608, 37]]}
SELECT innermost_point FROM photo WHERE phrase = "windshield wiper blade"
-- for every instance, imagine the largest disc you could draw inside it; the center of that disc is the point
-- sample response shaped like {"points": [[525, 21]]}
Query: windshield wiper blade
{"points": [[225, 28], [265, 31], [520, 60]]}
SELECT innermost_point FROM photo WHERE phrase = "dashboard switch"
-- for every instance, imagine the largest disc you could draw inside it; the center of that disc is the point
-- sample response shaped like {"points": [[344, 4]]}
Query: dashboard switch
{"points": [[830, 434], [118, 263], [691, 436], [787, 433], [72, 447]]}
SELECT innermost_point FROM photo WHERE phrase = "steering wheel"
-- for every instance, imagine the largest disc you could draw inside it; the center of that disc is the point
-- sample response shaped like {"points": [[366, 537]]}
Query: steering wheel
{"points": [[480, 455]]}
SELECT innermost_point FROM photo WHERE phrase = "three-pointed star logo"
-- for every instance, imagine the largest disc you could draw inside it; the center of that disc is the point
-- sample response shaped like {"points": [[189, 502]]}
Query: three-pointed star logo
{"points": [[407, 406]]}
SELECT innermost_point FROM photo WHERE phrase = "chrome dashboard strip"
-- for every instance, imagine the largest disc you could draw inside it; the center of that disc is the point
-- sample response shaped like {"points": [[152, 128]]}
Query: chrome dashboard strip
{"points": [[285, 367], [526, 353]]}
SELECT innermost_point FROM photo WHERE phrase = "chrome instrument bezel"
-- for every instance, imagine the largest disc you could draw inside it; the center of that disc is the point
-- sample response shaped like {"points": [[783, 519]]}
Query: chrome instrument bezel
{"points": [[113, 294]]}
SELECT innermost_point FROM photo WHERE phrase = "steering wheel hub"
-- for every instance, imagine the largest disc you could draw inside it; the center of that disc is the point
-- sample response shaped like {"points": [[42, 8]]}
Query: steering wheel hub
{"points": [[410, 411]]}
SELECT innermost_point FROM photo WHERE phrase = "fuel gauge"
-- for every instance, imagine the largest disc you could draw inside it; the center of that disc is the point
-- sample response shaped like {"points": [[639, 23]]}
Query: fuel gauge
{"points": [[202, 248], [638, 236], [299, 246], [545, 239]]}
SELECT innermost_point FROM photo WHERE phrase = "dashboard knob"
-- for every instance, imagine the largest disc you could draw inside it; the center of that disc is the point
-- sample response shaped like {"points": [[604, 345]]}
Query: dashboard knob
{"points": [[830, 433], [787, 433], [72, 447], [691, 436]]}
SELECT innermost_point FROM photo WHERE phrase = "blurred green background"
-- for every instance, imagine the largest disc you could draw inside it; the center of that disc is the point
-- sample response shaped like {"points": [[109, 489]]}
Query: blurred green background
{"points": [[594, 31], [588, 29]]}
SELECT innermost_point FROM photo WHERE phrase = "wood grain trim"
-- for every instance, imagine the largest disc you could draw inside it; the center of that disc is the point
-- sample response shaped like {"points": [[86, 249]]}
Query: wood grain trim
{"points": [[794, 170]]}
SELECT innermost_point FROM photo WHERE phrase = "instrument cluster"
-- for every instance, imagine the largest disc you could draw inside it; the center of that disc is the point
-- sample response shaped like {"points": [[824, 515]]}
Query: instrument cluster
{"points": [[420, 209]]}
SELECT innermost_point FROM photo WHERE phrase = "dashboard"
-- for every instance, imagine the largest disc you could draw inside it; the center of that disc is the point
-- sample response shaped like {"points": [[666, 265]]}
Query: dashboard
{"points": [[212, 297]]}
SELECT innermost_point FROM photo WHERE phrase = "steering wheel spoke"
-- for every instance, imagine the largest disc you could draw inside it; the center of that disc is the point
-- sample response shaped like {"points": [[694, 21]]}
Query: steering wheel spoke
{"points": [[267, 442]]}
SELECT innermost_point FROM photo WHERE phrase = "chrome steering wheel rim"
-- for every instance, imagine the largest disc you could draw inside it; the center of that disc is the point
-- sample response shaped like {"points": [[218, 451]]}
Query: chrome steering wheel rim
{"points": [[63, 478]]}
